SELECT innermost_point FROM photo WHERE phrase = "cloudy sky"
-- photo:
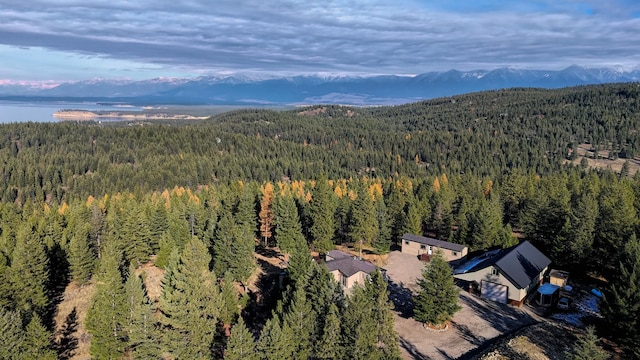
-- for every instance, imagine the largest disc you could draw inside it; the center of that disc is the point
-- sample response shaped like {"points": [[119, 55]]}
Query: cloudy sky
{"points": [[66, 40]]}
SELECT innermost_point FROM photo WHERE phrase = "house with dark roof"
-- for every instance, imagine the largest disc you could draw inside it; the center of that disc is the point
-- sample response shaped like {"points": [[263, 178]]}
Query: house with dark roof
{"points": [[505, 275], [348, 270], [419, 245]]}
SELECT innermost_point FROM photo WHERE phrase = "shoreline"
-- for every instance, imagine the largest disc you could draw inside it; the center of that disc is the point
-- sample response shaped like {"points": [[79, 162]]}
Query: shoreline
{"points": [[85, 115]]}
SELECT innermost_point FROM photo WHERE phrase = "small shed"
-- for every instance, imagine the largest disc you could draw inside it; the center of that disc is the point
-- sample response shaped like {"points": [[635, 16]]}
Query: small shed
{"points": [[547, 294], [559, 277]]}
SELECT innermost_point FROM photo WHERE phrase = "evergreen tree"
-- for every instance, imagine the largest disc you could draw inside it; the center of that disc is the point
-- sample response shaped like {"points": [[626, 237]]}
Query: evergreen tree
{"points": [[191, 303], [364, 220], [386, 337], [11, 334], [231, 309], [36, 343], [141, 327], [287, 221], [300, 318], [241, 345], [621, 305], [107, 317], [617, 221], [81, 256], [412, 222], [330, 346], [136, 234], [587, 348], [158, 226], [382, 244], [276, 341], [358, 327], [437, 299], [322, 216], [227, 234], [29, 273], [6, 292], [300, 261]]}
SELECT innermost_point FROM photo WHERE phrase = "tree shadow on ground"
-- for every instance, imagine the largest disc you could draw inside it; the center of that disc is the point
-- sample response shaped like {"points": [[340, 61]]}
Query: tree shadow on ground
{"points": [[268, 252], [467, 334], [412, 350], [66, 343], [264, 300], [402, 299], [444, 354], [501, 317]]}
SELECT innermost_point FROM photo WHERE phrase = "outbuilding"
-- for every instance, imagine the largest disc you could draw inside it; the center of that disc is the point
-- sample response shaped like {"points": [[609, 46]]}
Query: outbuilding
{"points": [[421, 245], [505, 275]]}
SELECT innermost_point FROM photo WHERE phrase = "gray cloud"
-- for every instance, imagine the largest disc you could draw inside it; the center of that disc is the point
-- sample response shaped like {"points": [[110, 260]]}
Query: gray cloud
{"points": [[330, 36]]}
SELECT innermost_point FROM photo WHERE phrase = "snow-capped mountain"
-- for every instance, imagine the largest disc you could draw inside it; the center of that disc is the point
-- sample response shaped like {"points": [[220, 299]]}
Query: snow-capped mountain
{"points": [[322, 88]]}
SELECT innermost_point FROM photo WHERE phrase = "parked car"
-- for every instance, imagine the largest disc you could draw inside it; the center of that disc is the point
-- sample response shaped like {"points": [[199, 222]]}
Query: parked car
{"points": [[564, 303]]}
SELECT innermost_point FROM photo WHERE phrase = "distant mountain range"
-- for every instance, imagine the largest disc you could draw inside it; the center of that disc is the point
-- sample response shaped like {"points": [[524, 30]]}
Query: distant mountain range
{"points": [[310, 89]]}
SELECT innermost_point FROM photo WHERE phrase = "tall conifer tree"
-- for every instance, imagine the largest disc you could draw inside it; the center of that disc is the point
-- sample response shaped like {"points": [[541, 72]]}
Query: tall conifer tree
{"points": [[191, 304], [437, 299], [241, 345], [29, 273], [107, 316], [142, 327]]}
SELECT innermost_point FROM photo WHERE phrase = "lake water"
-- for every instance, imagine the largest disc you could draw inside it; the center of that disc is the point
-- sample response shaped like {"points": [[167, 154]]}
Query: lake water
{"points": [[13, 111]]}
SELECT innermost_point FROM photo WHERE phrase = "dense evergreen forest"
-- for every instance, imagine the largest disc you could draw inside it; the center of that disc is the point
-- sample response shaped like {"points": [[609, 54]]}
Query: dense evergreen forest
{"points": [[89, 203]]}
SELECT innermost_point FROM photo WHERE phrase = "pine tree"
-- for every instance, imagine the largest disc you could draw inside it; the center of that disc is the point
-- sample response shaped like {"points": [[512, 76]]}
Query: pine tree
{"points": [[276, 341], [241, 345], [621, 305], [358, 327], [227, 234], [141, 327], [437, 299], [158, 225], [29, 273], [322, 216], [299, 317], [107, 316], [382, 244], [586, 348], [300, 260], [231, 309], [617, 221], [287, 220], [11, 334], [191, 304], [37, 342], [81, 257], [386, 337], [330, 346], [136, 234], [364, 220], [412, 223], [242, 261], [6, 292]]}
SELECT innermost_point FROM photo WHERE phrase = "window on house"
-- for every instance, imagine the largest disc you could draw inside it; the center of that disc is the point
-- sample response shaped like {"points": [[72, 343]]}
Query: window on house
{"points": [[455, 253], [406, 243], [430, 248], [494, 271], [344, 281], [422, 247]]}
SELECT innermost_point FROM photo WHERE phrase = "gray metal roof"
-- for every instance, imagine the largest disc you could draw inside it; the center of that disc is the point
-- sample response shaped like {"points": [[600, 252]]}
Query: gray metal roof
{"points": [[520, 264], [337, 254], [350, 265], [433, 242]]}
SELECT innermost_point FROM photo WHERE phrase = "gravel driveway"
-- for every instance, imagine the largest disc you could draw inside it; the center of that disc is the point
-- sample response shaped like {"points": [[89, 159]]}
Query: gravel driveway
{"points": [[478, 321]]}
